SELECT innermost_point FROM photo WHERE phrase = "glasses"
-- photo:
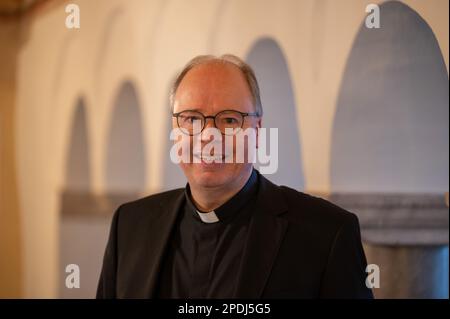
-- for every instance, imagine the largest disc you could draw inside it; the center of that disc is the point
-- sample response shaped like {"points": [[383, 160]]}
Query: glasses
{"points": [[228, 119]]}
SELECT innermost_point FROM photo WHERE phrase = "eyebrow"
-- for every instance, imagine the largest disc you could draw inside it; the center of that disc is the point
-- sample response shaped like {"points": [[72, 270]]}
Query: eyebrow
{"points": [[195, 109], [200, 110]]}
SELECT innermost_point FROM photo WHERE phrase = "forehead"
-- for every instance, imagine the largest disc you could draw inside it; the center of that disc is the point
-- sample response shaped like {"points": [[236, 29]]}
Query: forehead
{"points": [[214, 86]]}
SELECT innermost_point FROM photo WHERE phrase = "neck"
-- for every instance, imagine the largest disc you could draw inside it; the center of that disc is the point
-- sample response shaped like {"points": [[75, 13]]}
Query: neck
{"points": [[207, 199]]}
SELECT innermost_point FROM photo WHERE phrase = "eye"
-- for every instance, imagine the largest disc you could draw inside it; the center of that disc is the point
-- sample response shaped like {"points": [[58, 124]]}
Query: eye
{"points": [[190, 118], [230, 120]]}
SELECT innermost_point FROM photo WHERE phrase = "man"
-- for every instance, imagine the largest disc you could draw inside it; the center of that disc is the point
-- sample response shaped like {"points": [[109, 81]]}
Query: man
{"points": [[230, 233]]}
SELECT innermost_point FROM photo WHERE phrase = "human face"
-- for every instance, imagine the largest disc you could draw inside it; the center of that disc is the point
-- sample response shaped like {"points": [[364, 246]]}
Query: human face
{"points": [[210, 88]]}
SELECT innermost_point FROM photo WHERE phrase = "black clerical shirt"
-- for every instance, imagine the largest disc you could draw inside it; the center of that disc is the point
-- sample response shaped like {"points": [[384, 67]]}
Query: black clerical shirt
{"points": [[204, 254]]}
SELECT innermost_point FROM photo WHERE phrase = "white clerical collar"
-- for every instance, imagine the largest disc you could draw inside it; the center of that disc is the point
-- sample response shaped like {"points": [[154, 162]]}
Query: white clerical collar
{"points": [[209, 218]]}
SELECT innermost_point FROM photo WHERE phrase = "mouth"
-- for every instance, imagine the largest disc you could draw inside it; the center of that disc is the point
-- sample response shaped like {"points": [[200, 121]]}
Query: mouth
{"points": [[210, 159]]}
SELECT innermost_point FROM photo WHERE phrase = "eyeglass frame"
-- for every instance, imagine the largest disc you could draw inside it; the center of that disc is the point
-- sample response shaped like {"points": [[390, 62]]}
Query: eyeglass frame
{"points": [[213, 117]]}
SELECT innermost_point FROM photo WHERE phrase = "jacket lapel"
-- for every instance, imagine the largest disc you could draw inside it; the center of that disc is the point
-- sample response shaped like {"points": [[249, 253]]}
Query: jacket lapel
{"points": [[266, 232], [159, 236]]}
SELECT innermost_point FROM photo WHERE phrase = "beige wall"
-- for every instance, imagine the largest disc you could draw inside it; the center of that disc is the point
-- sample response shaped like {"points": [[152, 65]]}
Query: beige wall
{"points": [[147, 42]]}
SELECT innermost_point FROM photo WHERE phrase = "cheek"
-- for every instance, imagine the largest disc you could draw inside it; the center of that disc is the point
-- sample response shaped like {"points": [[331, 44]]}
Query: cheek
{"points": [[185, 167], [183, 145], [241, 148]]}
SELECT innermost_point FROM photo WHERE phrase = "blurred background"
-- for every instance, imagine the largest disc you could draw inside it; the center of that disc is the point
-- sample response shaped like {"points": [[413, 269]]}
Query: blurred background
{"points": [[362, 113]]}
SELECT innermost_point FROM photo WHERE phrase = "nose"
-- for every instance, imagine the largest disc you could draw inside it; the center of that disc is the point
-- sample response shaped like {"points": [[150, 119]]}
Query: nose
{"points": [[209, 123]]}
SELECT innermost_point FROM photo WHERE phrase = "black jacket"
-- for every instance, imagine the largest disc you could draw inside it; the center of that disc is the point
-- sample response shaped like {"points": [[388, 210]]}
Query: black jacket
{"points": [[298, 246]]}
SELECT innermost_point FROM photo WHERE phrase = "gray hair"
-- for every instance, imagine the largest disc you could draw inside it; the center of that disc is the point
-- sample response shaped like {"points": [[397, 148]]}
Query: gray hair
{"points": [[246, 70]]}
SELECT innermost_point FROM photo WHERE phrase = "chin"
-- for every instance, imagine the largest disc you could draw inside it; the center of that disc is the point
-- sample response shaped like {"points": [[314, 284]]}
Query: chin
{"points": [[223, 175], [211, 179]]}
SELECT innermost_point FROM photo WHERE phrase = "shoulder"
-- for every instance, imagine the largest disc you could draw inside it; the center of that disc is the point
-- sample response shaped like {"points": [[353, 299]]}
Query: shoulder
{"points": [[154, 199], [315, 211], [149, 206]]}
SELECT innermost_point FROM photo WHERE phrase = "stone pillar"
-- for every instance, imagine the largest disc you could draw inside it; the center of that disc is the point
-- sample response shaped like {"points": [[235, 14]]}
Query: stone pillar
{"points": [[407, 236]]}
